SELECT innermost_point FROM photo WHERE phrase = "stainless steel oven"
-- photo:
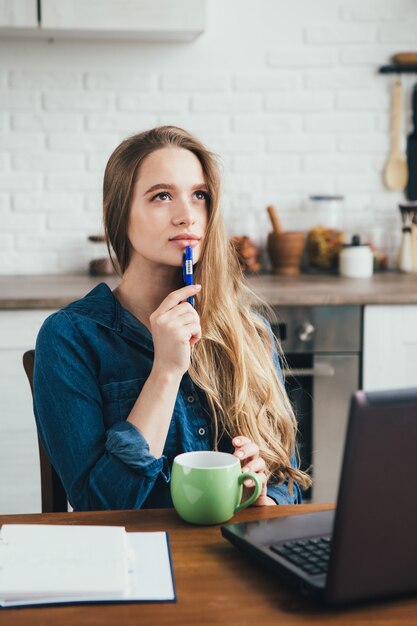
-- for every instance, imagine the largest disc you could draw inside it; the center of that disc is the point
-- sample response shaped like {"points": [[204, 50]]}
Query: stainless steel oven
{"points": [[322, 347]]}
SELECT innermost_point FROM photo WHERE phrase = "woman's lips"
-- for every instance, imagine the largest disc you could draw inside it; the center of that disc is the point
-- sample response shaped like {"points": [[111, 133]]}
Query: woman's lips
{"points": [[183, 243]]}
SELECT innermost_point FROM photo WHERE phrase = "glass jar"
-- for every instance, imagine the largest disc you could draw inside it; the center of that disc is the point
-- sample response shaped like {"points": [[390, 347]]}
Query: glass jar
{"points": [[326, 210], [325, 236]]}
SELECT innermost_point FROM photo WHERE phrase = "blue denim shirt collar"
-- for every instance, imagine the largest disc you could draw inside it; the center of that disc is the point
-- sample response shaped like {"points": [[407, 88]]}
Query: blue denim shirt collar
{"points": [[102, 306]]}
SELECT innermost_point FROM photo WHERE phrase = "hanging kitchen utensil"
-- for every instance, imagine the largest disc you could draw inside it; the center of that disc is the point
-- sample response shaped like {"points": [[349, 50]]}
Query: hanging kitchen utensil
{"points": [[396, 170], [412, 153]]}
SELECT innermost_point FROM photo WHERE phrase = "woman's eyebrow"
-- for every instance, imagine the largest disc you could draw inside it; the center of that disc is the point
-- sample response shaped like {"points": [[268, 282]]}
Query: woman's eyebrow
{"points": [[159, 186], [168, 186]]}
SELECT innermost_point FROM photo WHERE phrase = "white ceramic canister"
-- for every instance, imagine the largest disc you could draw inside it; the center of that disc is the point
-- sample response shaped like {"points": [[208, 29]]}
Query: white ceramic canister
{"points": [[356, 260]]}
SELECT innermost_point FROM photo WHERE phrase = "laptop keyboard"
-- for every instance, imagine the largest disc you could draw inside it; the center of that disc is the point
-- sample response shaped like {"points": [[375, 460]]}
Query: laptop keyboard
{"points": [[311, 555]]}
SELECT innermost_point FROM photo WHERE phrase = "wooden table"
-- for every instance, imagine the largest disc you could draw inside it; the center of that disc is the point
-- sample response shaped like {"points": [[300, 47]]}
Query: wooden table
{"points": [[215, 583]]}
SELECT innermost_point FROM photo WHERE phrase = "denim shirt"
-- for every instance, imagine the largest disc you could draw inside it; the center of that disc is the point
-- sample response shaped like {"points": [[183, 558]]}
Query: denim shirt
{"points": [[92, 360]]}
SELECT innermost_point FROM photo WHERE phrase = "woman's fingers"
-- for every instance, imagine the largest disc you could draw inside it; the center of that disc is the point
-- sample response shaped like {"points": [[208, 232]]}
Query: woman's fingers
{"points": [[240, 440], [191, 331], [174, 321], [256, 465], [263, 498], [177, 296], [182, 321], [181, 310], [249, 482], [246, 451]]}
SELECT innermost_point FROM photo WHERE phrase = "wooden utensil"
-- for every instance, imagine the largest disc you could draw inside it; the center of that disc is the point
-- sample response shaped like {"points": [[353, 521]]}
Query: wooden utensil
{"points": [[396, 170], [274, 220], [409, 58]]}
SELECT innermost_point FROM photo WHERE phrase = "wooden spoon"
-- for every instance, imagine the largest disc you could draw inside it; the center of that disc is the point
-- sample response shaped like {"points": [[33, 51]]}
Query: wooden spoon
{"points": [[396, 170]]}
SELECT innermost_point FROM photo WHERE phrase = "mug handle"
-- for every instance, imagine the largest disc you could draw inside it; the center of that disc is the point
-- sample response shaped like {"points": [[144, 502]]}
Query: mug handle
{"points": [[256, 492]]}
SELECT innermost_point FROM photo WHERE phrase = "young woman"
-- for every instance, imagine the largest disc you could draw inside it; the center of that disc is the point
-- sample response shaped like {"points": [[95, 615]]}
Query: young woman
{"points": [[126, 380]]}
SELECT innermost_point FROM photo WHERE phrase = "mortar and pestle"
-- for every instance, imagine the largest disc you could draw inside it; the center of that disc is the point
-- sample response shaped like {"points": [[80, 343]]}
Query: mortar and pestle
{"points": [[285, 249]]}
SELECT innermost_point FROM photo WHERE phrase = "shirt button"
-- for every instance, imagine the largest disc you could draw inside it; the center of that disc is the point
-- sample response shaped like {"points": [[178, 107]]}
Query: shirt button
{"points": [[190, 399], [201, 431]]}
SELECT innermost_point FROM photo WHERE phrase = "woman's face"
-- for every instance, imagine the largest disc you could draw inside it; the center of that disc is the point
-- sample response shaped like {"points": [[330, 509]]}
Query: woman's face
{"points": [[170, 203]]}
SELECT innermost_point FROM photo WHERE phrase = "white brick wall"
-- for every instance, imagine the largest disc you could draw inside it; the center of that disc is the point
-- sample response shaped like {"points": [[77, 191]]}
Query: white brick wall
{"points": [[287, 93]]}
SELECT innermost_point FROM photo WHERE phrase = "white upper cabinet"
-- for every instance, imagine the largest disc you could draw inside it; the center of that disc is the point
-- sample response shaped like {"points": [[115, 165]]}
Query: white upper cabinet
{"points": [[19, 13], [390, 347], [152, 20]]}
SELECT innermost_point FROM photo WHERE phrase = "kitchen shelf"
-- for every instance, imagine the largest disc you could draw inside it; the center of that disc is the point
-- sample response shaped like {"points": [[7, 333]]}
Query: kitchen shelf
{"points": [[136, 20], [396, 68]]}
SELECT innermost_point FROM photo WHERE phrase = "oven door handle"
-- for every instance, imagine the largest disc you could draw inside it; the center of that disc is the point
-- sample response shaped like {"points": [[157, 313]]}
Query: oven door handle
{"points": [[321, 369]]}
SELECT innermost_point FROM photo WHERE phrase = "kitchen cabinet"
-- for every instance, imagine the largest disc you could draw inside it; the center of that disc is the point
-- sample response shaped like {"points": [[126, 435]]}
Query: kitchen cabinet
{"points": [[154, 20], [390, 347], [18, 14], [20, 490]]}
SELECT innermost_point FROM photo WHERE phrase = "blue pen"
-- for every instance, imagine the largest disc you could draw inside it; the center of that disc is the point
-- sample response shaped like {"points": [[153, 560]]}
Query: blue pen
{"points": [[187, 270]]}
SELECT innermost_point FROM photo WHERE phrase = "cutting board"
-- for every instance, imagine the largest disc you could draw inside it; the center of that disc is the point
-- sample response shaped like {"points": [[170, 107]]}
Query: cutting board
{"points": [[411, 190]]}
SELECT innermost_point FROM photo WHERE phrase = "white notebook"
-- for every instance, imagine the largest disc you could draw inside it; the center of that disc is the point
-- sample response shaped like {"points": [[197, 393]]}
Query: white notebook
{"points": [[43, 564]]}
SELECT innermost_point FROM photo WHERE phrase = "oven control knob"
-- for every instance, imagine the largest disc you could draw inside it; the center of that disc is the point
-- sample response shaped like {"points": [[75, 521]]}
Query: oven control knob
{"points": [[306, 331]]}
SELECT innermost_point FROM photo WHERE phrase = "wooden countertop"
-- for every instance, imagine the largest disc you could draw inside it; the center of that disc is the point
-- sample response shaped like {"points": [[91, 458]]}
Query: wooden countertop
{"points": [[315, 289], [55, 291]]}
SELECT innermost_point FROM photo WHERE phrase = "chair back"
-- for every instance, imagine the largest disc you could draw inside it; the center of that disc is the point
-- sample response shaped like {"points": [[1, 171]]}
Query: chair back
{"points": [[54, 498]]}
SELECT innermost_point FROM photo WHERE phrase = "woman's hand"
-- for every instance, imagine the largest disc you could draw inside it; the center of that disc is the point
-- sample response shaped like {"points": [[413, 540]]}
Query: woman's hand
{"points": [[175, 327], [248, 454]]}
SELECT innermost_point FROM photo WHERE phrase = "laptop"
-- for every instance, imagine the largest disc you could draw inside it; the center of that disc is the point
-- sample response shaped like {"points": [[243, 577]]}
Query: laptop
{"points": [[367, 548]]}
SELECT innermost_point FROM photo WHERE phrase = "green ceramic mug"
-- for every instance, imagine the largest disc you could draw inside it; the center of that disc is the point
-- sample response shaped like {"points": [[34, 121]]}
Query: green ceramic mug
{"points": [[206, 486]]}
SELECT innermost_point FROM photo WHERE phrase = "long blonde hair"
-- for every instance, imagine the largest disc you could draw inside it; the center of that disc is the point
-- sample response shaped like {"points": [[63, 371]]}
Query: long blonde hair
{"points": [[233, 362]]}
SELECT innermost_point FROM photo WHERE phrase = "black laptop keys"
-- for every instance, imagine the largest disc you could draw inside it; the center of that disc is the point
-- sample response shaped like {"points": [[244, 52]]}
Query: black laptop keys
{"points": [[311, 555]]}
